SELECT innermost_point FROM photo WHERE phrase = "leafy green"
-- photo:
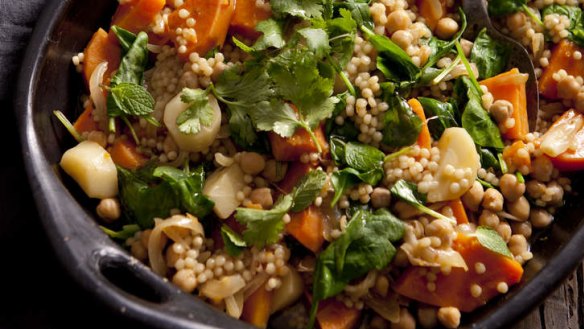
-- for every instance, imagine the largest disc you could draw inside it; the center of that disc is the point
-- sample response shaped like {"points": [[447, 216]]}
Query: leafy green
{"points": [[305, 9], [408, 192], [441, 48], [198, 114], [125, 233], [264, 226], [392, 61], [130, 99], [133, 63], [342, 181], [366, 244], [342, 31], [233, 242], [359, 10], [574, 14], [307, 190], [505, 7], [444, 114], [475, 118], [488, 159], [317, 40], [272, 37], [152, 192], [125, 37], [490, 239], [489, 55], [402, 125]]}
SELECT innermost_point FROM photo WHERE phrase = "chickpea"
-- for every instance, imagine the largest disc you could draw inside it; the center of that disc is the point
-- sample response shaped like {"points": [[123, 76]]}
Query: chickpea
{"points": [[523, 228], [398, 20], [516, 21], [535, 189], [406, 320], [252, 163], [517, 244], [382, 285], [405, 211], [109, 210], [501, 110], [403, 38], [473, 197], [138, 251], [275, 171], [519, 208], [511, 188], [262, 196], [579, 104], [556, 192], [493, 200], [449, 317], [466, 46], [380, 198], [504, 230], [568, 88], [427, 317], [542, 169], [489, 218], [186, 280], [446, 28], [540, 218]]}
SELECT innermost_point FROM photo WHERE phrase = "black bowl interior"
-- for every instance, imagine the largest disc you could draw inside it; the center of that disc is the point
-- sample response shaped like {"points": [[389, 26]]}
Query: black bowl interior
{"points": [[48, 82]]}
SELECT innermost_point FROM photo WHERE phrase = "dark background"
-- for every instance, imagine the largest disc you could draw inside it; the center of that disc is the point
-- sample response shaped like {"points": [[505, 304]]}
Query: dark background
{"points": [[35, 290]]}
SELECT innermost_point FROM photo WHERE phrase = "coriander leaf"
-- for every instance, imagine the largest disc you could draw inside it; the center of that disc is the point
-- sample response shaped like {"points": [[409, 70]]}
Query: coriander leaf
{"points": [[505, 7], [133, 63], [317, 40], [489, 55], [125, 37], [359, 11], [402, 125], [392, 61], [264, 226], [198, 114], [366, 244], [308, 189], [275, 116], [234, 244], [299, 8], [272, 35], [130, 99], [342, 31], [125, 233], [444, 115], [490, 239], [408, 192], [475, 118], [240, 127]]}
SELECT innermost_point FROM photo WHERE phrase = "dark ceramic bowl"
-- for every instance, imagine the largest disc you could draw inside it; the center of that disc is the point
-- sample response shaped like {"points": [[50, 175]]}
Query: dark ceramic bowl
{"points": [[48, 82]]}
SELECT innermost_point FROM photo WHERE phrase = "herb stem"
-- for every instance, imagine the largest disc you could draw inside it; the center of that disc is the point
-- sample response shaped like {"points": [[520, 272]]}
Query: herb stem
{"points": [[132, 131], [313, 137], [471, 75], [151, 120], [520, 177], [396, 154], [112, 125], [343, 76], [445, 72], [530, 13], [485, 184], [502, 163], [433, 213], [68, 125]]}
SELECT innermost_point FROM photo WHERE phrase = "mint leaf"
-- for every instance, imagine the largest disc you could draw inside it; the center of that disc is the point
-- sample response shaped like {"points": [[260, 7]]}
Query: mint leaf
{"points": [[131, 99], [490, 239], [234, 243], [317, 40], [308, 189], [264, 226], [198, 114]]}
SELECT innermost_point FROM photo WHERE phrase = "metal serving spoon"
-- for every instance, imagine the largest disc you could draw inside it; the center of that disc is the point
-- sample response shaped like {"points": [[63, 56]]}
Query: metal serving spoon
{"points": [[478, 18]]}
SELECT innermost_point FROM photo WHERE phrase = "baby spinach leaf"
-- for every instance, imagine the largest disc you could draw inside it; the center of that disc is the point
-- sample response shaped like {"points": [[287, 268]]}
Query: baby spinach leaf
{"points": [[307, 190], [475, 118], [444, 114], [366, 244], [342, 181], [505, 7], [488, 158], [490, 239], [408, 192], [489, 55], [234, 243], [264, 226], [402, 125], [395, 64], [125, 37], [199, 113], [133, 63]]}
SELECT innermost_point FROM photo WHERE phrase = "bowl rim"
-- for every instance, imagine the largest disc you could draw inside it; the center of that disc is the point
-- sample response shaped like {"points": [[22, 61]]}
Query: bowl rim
{"points": [[48, 189]]}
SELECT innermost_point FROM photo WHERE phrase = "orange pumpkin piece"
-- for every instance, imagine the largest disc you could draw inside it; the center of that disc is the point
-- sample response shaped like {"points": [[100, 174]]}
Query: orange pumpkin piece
{"points": [[295, 172], [510, 86], [333, 314], [512, 158], [292, 148], [562, 58], [125, 154], [432, 11], [212, 18], [307, 227], [137, 15], [257, 307], [424, 138], [458, 211], [246, 17], [454, 289], [85, 122], [102, 47]]}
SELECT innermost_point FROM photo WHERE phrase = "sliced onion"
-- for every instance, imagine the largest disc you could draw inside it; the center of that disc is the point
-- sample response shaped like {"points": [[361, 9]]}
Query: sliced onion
{"points": [[445, 258], [172, 227], [223, 160], [218, 290], [256, 282], [97, 95], [387, 308], [156, 49], [234, 305], [362, 288]]}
